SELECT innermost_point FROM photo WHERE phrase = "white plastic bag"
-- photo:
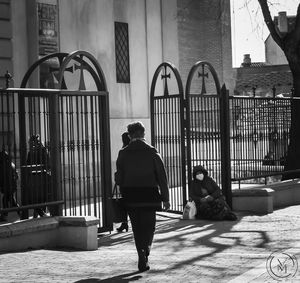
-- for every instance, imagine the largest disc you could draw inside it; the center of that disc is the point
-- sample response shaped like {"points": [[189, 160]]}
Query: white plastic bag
{"points": [[189, 211]]}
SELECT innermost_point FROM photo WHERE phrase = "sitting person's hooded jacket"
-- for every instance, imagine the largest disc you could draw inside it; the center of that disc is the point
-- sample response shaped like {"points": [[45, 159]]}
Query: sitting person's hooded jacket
{"points": [[207, 186]]}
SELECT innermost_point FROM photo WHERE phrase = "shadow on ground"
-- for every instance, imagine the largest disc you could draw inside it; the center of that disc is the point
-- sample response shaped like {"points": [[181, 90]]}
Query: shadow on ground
{"points": [[171, 228], [203, 233], [127, 277]]}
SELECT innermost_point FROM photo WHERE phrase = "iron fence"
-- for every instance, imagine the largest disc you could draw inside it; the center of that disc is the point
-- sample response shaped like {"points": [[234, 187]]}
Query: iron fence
{"points": [[57, 143], [259, 130], [259, 135], [237, 138]]}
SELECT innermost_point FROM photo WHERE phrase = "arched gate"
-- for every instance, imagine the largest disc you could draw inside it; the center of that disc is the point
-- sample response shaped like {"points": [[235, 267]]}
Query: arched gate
{"points": [[73, 124], [189, 129], [167, 129]]}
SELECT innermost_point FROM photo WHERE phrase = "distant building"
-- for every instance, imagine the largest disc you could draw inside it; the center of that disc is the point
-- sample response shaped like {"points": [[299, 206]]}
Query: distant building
{"points": [[274, 55], [129, 38], [263, 79], [269, 78]]}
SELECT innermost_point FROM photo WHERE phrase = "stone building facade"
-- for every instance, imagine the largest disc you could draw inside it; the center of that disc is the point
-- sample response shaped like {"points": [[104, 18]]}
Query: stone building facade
{"points": [[179, 31]]}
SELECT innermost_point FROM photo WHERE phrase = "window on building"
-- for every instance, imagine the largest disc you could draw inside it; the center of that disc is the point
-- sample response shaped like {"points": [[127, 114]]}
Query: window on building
{"points": [[122, 52]]}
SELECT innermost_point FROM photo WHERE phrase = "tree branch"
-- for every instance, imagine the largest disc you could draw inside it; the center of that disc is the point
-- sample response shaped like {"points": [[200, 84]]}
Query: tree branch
{"points": [[297, 26], [269, 22]]}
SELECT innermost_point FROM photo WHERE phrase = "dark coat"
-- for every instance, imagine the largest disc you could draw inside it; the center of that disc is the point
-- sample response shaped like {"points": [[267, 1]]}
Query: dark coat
{"points": [[141, 175], [38, 155], [208, 184], [8, 174], [216, 208]]}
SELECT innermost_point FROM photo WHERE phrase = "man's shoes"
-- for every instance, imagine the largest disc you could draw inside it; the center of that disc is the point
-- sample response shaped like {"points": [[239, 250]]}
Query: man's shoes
{"points": [[124, 226], [143, 264]]}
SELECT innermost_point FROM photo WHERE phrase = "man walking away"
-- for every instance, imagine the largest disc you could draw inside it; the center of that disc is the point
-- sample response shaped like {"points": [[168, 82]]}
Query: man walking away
{"points": [[143, 183]]}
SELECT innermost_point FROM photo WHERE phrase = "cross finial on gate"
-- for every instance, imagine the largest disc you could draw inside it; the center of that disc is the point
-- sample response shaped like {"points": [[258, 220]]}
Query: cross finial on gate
{"points": [[203, 75], [55, 69], [164, 77], [81, 67]]}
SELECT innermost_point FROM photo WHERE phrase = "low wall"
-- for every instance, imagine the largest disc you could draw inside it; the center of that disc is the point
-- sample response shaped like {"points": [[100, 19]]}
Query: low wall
{"points": [[286, 193], [263, 199], [78, 232]]}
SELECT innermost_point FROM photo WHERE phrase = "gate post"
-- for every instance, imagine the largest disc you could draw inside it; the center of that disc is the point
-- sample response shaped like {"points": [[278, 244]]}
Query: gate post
{"points": [[106, 151], [22, 144], [55, 161], [225, 145]]}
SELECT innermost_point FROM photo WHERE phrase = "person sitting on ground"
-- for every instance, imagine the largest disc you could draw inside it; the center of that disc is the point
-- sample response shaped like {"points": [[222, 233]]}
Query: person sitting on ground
{"points": [[207, 195]]}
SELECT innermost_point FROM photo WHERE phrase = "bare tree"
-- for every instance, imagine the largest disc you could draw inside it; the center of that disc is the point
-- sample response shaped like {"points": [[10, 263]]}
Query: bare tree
{"points": [[290, 44]]}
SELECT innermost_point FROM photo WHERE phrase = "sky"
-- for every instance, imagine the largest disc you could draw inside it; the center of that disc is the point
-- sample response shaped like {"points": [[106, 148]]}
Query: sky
{"points": [[248, 29]]}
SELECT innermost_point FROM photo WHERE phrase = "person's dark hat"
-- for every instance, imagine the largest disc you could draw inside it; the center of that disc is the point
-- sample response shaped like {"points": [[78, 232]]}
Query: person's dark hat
{"points": [[199, 169]]}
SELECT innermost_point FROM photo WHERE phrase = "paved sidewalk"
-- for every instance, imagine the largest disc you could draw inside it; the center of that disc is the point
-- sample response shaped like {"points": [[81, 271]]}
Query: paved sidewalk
{"points": [[183, 251]]}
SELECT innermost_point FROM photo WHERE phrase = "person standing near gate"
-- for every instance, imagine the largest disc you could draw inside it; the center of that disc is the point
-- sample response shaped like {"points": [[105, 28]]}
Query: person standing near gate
{"points": [[126, 141], [8, 183], [38, 155], [143, 183]]}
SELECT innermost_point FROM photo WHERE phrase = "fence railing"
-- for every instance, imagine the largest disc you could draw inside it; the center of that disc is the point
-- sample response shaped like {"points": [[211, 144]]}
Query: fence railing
{"points": [[259, 135], [53, 152]]}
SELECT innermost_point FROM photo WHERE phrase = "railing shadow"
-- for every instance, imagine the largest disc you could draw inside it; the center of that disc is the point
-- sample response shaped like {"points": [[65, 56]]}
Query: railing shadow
{"points": [[202, 233], [172, 229], [115, 279]]}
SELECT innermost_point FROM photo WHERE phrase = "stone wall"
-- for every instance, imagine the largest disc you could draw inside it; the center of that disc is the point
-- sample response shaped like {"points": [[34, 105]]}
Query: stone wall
{"points": [[204, 34]]}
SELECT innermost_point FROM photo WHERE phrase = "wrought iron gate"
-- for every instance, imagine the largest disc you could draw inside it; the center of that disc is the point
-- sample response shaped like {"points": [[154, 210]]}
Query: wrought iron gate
{"points": [[187, 130], [207, 125], [167, 129], [73, 126]]}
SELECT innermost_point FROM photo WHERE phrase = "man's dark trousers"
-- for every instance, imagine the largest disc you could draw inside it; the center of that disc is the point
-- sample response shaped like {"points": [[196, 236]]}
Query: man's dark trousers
{"points": [[143, 227]]}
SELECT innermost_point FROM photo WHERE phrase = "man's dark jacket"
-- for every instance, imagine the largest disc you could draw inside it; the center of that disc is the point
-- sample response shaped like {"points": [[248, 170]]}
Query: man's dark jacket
{"points": [[141, 176]]}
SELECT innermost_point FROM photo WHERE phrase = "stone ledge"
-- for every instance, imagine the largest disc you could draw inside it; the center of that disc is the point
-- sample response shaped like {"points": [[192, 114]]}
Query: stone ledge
{"points": [[68, 232], [277, 186], [253, 192], [263, 198], [287, 184], [81, 221], [256, 200], [286, 193], [28, 226]]}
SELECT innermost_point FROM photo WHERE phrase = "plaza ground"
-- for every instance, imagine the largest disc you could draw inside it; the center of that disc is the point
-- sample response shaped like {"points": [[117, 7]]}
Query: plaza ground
{"points": [[183, 251]]}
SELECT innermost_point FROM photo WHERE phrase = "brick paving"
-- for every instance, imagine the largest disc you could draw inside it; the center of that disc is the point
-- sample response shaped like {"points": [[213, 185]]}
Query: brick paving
{"points": [[183, 251]]}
